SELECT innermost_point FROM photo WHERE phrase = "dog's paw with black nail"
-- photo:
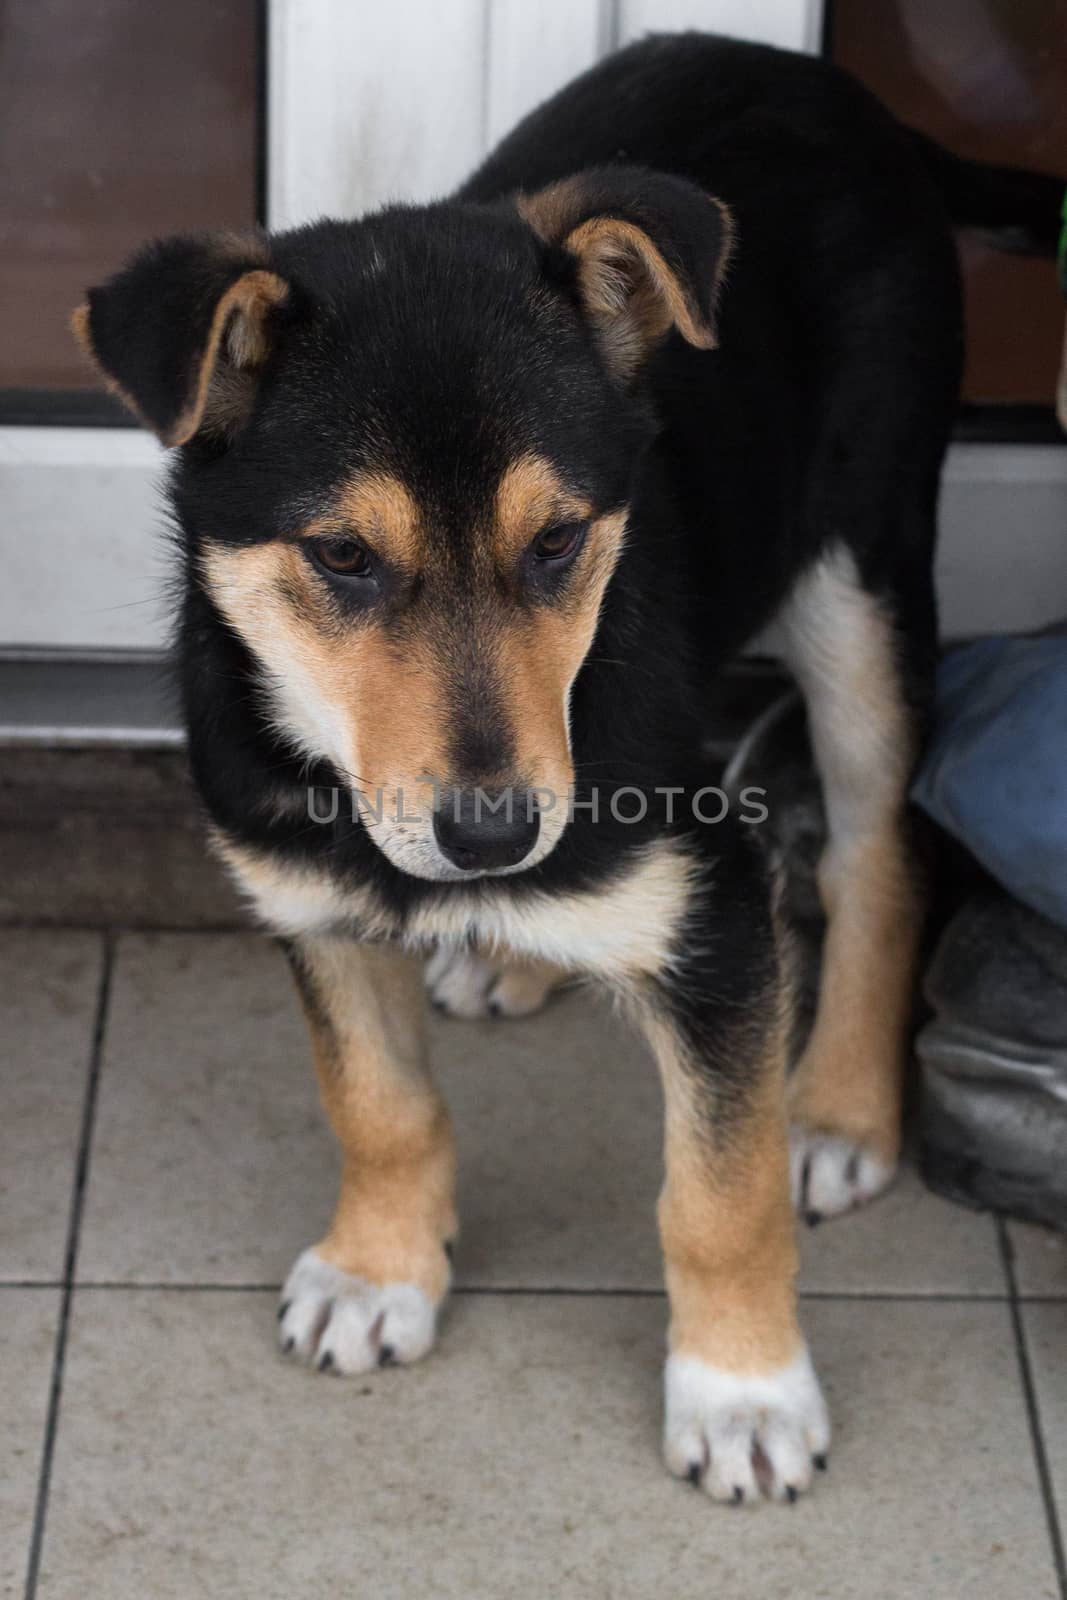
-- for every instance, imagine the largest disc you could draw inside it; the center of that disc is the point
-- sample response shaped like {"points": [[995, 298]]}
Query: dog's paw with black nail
{"points": [[830, 1175], [463, 983], [742, 1438], [338, 1323]]}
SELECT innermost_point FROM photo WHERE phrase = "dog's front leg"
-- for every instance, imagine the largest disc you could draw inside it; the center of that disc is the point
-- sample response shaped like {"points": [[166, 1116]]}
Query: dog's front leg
{"points": [[369, 1293], [744, 1412]]}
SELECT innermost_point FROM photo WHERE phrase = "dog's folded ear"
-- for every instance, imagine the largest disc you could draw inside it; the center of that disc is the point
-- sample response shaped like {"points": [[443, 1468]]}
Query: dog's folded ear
{"points": [[650, 248], [181, 333]]}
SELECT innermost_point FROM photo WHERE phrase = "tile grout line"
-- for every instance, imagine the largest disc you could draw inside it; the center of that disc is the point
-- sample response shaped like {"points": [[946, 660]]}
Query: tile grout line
{"points": [[1037, 1436], [70, 1260], [576, 1291]]}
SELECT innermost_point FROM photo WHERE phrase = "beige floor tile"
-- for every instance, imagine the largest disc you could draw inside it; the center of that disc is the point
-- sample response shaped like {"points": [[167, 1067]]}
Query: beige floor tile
{"points": [[558, 1121], [209, 1162], [1040, 1259], [28, 1318], [212, 1163], [1046, 1336], [49, 983], [521, 1459]]}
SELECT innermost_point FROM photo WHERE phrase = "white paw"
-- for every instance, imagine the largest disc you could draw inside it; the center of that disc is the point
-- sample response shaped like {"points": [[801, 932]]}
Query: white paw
{"points": [[737, 1437], [829, 1175], [343, 1324], [464, 984]]}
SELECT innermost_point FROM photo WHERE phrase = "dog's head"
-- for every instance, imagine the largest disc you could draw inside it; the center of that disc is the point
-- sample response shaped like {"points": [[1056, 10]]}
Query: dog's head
{"points": [[408, 446]]}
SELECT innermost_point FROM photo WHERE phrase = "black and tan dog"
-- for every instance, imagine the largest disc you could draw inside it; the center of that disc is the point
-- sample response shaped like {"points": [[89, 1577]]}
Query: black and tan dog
{"points": [[486, 491]]}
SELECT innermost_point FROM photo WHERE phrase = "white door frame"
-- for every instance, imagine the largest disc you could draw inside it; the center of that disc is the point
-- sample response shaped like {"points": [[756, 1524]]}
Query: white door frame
{"points": [[345, 74], [82, 507]]}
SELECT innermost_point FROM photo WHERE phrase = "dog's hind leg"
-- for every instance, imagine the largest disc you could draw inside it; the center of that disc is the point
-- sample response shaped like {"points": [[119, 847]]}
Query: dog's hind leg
{"points": [[846, 1091], [370, 1291]]}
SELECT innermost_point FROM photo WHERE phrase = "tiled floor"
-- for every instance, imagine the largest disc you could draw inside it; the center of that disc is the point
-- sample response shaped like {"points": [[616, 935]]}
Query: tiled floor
{"points": [[161, 1160]]}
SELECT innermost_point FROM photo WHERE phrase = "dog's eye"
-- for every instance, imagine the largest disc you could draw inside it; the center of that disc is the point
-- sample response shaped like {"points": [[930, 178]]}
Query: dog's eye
{"points": [[560, 542], [346, 558]]}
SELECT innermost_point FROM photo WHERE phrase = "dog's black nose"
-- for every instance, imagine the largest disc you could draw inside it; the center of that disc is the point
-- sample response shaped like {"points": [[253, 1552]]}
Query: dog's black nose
{"points": [[477, 830]]}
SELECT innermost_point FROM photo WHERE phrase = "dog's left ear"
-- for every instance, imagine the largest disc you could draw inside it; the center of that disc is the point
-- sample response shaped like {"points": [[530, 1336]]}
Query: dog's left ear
{"points": [[651, 250]]}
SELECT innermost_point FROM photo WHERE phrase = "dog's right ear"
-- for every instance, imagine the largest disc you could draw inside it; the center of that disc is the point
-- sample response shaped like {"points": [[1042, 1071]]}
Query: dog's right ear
{"points": [[181, 333]]}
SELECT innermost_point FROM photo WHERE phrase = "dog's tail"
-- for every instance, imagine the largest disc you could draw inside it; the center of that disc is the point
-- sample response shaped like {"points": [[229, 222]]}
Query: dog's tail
{"points": [[1018, 211], [1015, 210]]}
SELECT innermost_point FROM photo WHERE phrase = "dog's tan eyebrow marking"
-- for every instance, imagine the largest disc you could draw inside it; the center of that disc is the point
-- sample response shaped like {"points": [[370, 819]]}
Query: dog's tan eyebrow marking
{"points": [[380, 506], [530, 496]]}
